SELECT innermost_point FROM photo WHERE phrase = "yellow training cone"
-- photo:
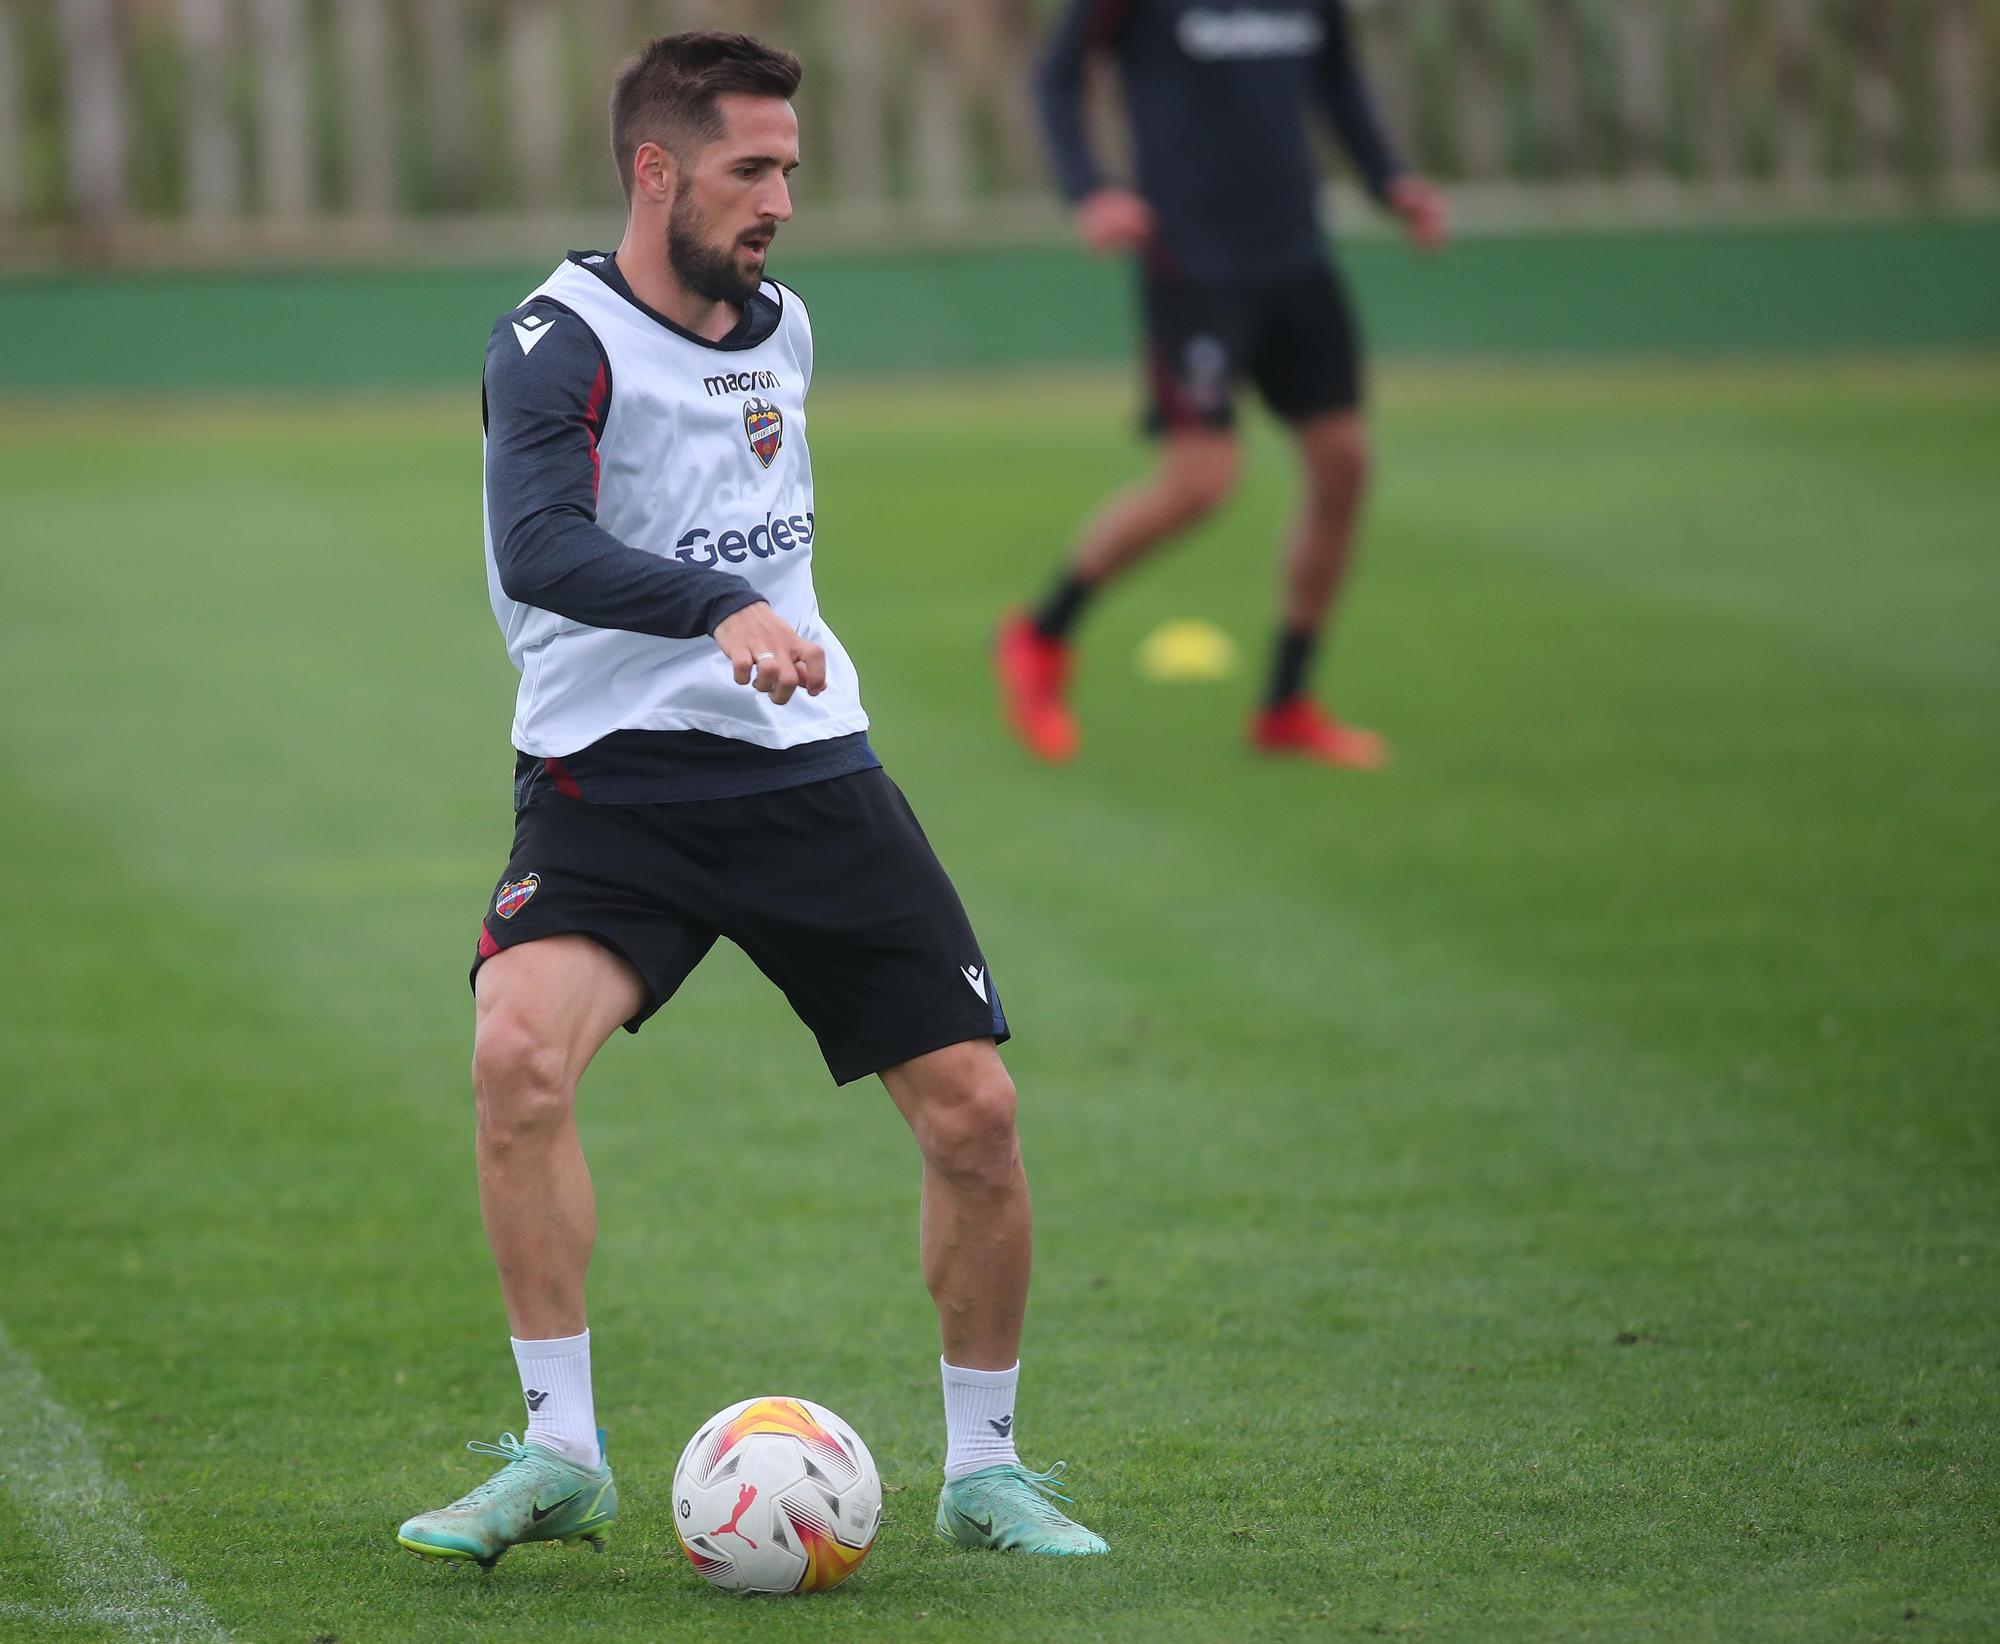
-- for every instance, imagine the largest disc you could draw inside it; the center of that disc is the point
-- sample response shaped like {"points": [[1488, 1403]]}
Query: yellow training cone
{"points": [[1187, 650]]}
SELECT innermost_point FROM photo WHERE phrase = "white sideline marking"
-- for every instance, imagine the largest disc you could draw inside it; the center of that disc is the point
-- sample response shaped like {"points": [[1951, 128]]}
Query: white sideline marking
{"points": [[84, 1518]]}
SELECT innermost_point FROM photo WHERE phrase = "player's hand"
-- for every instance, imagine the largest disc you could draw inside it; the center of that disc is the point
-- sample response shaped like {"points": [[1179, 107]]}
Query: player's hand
{"points": [[1114, 219], [1425, 216], [765, 652]]}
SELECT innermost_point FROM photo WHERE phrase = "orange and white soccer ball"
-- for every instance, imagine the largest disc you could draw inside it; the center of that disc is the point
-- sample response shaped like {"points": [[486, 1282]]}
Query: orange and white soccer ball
{"points": [[776, 1495]]}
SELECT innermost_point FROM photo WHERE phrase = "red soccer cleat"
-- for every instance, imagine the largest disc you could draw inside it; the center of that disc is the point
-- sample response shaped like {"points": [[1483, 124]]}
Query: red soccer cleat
{"points": [[1034, 674], [1303, 728]]}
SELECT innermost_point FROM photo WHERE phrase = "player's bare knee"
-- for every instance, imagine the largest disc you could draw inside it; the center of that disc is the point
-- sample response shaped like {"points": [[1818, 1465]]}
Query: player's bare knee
{"points": [[1200, 479], [511, 1115], [1206, 494], [520, 1078], [1339, 466], [970, 1135]]}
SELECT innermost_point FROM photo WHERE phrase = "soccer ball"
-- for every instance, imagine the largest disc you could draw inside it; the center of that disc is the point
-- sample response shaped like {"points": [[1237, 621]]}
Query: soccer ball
{"points": [[776, 1495]]}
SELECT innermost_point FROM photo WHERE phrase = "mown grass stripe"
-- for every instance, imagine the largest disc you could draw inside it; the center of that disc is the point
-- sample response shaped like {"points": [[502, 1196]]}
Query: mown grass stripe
{"points": [[85, 1518]]}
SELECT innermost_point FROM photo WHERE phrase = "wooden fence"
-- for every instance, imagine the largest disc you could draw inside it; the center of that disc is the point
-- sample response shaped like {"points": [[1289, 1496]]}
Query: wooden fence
{"points": [[230, 122]]}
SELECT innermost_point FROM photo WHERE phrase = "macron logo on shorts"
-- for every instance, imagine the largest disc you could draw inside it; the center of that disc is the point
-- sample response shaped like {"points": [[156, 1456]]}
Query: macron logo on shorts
{"points": [[975, 978]]}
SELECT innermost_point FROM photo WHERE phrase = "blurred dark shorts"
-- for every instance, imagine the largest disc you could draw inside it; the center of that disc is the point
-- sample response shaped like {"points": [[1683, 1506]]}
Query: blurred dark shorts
{"points": [[831, 888], [1294, 339]]}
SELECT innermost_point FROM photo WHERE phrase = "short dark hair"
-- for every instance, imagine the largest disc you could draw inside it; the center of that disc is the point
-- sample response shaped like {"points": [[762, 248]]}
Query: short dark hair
{"points": [[667, 94]]}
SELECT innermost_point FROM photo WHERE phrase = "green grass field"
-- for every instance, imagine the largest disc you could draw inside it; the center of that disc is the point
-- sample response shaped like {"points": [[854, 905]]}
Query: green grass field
{"points": [[1548, 1190]]}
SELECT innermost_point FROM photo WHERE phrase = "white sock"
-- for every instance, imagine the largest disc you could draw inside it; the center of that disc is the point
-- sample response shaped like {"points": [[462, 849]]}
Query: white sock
{"points": [[978, 1418], [555, 1380]]}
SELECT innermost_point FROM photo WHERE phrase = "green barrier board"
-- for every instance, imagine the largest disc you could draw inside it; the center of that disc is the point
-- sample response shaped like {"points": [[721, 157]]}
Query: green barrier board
{"points": [[1909, 286]]}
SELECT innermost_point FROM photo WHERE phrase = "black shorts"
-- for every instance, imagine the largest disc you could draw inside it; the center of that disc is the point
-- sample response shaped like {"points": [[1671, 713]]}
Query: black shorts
{"points": [[831, 888], [1295, 339]]}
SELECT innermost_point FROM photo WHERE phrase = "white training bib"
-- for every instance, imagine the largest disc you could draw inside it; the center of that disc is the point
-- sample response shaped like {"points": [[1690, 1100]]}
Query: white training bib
{"points": [[702, 459]]}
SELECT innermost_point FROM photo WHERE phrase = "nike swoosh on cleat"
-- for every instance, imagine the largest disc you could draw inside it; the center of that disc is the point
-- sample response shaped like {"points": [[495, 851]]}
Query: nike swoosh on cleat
{"points": [[539, 1512], [985, 1529]]}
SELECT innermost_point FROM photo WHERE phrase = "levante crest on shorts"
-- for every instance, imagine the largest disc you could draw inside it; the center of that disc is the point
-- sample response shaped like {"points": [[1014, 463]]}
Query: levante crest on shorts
{"points": [[513, 896], [765, 427]]}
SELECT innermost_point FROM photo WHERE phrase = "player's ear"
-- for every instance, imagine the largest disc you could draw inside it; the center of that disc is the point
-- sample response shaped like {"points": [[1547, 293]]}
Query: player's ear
{"points": [[653, 174]]}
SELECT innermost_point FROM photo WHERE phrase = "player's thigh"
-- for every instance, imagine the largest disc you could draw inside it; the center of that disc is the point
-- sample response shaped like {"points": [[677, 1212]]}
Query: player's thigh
{"points": [[553, 1002], [1306, 358], [848, 910], [1195, 336]]}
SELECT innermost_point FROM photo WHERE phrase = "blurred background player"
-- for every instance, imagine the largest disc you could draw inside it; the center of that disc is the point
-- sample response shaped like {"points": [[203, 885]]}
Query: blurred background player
{"points": [[1235, 282]]}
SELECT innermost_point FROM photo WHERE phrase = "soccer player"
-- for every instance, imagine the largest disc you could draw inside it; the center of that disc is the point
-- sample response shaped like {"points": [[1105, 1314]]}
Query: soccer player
{"points": [[693, 762], [1235, 281]]}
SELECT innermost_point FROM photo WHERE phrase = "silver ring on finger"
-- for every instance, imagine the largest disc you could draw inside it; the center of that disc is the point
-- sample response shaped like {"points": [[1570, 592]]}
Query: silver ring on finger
{"points": [[766, 656]]}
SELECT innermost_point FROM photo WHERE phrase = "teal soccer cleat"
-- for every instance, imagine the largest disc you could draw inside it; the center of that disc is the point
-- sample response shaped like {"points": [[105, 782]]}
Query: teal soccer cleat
{"points": [[1011, 1510], [537, 1496]]}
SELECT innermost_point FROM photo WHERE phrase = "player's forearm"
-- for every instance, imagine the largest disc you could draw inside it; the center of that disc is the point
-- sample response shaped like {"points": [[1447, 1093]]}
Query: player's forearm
{"points": [[561, 561]]}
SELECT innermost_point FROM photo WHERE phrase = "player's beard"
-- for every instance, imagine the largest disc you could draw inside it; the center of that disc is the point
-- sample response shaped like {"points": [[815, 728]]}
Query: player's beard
{"points": [[708, 270]]}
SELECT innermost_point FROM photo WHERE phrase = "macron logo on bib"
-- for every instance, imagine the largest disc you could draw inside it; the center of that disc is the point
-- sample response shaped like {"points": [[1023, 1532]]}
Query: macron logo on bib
{"points": [[530, 331]]}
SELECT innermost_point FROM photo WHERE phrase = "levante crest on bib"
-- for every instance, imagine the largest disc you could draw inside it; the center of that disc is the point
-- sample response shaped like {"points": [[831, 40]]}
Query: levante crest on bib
{"points": [[765, 428]]}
